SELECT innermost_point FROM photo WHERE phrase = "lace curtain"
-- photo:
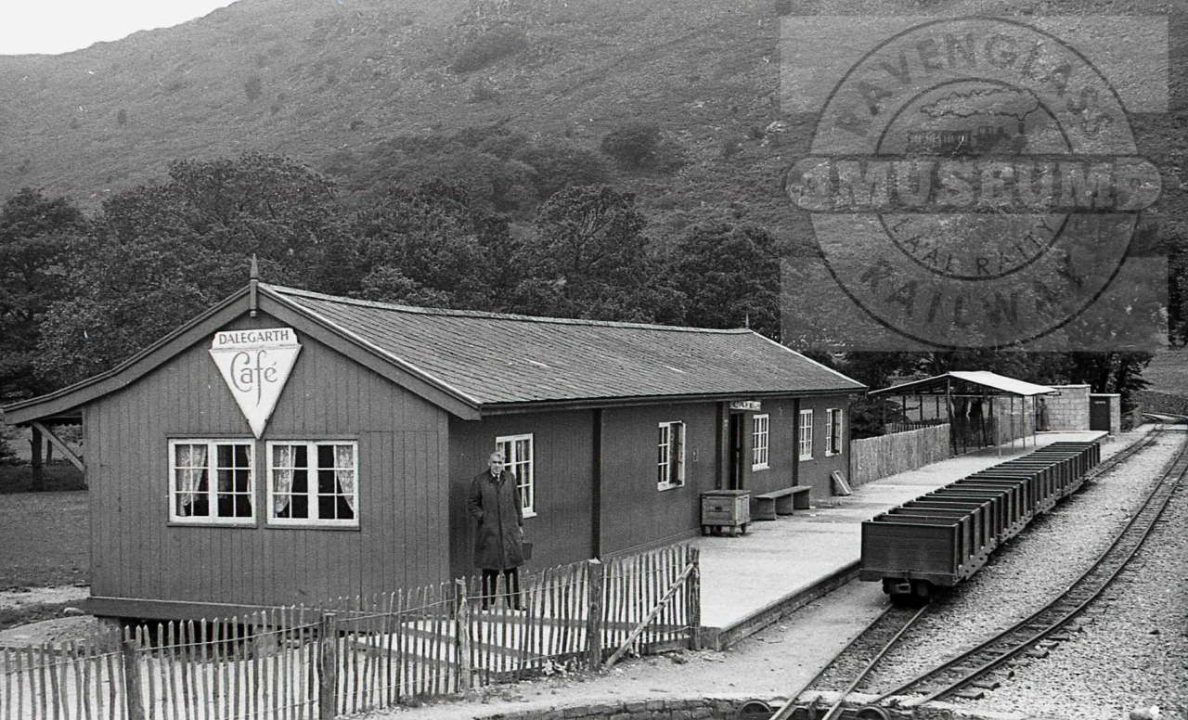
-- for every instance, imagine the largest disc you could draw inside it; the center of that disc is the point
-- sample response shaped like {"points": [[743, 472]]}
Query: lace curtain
{"points": [[344, 472], [191, 467], [282, 478]]}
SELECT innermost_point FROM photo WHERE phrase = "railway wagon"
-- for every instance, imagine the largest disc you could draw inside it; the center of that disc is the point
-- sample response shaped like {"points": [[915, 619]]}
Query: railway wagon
{"points": [[943, 537]]}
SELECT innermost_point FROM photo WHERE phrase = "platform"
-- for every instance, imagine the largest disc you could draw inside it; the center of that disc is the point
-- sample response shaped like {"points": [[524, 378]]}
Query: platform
{"points": [[752, 580]]}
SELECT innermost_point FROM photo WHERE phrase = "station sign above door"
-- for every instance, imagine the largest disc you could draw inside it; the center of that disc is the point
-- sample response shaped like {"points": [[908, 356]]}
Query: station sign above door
{"points": [[255, 364], [746, 405]]}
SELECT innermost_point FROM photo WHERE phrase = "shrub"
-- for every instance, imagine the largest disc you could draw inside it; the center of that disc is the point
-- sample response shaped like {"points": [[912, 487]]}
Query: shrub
{"points": [[634, 144], [642, 146], [8, 436], [558, 165], [486, 49], [253, 87]]}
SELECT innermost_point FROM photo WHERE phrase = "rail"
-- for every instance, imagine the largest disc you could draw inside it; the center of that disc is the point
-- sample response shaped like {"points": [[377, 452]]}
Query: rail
{"points": [[951, 676], [896, 621]]}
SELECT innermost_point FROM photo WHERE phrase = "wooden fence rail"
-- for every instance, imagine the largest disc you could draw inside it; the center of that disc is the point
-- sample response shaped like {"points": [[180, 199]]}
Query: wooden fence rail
{"points": [[358, 654]]}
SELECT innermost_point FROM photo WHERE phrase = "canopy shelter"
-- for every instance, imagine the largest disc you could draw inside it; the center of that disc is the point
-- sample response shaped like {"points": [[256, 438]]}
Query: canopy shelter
{"points": [[968, 400]]}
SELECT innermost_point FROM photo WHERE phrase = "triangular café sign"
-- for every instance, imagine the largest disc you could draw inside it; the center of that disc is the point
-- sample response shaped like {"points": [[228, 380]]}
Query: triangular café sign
{"points": [[255, 364]]}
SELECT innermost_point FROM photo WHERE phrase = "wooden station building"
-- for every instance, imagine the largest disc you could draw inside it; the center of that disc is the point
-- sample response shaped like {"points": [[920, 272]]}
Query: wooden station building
{"points": [[288, 446]]}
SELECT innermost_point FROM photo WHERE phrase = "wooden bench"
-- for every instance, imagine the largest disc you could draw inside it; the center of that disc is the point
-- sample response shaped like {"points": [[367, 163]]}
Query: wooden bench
{"points": [[780, 502]]}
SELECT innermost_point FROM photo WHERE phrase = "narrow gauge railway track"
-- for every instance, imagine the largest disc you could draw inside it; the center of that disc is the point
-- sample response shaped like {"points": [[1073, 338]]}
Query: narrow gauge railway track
{"points": [[1125, 454], [982, 660], [978, 663]]}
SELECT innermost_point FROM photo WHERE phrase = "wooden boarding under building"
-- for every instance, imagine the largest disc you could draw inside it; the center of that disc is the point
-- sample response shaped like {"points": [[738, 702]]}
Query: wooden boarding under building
{"points": [[290, 447]]}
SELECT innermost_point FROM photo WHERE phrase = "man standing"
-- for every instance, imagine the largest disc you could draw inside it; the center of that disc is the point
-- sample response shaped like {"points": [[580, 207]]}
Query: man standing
{"points": [[494, 501]]}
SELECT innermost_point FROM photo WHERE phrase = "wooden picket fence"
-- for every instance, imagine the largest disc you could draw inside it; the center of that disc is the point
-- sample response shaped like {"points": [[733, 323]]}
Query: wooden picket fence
{"points": [[363, 653]]}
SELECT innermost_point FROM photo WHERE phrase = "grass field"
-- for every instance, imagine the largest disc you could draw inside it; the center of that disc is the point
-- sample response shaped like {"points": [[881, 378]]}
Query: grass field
{"points": [[43, 539], [55, 477], [1168, 372]]}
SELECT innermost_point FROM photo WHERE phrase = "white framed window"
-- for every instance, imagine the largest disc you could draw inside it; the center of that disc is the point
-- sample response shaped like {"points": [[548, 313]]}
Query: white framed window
{"points": [[759, 439], [211, 482], [805, 438], [313, 482], [518, 459], [670, 464], [833, 431]]}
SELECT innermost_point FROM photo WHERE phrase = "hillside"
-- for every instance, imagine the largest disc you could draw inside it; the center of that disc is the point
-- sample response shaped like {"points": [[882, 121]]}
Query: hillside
{"points": [[1168, 372], [309, 79], [322, 79]]}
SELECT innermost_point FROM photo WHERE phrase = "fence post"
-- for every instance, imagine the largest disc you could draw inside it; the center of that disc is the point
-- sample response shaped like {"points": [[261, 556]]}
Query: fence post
{"points": [[693, 596], [462, 635], [595, 580], [130, 652], [328, 667]]}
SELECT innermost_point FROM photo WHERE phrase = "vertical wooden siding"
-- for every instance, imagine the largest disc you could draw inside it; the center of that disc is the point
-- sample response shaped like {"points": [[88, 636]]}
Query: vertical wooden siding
{"points": [[635, 514], [781, 444], [563, 460], [816, 472], [403, 498]]}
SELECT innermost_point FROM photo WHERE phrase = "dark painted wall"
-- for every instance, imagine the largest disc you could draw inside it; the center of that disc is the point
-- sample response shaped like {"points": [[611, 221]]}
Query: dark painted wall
{"points": [[636, 515], [401, 541], [563, 448], [815, 472], [781, 446]]}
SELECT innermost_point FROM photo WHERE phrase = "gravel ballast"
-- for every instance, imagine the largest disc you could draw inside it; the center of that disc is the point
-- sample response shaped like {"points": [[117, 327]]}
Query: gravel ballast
{"points": [[1030, 570], [1133, 650]]}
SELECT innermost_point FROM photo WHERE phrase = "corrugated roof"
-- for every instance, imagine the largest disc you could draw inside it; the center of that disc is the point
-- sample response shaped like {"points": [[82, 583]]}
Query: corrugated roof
{"points": [[492, 359], [984, 378]]}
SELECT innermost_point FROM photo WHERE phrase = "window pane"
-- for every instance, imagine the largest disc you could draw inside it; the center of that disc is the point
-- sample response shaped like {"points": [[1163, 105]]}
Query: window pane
{"points": [[326, 483], [300, 481]]}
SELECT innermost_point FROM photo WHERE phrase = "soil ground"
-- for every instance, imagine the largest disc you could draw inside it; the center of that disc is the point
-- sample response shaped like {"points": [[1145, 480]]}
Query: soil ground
{"points": [[770, 665]]}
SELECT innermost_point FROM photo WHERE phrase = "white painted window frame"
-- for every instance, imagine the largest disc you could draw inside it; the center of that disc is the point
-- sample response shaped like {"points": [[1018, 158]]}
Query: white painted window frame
{"points": [[760, 442], [666, 457], [833, 431], [804, 437], [212, 493], [311, 486], [516, 465]]}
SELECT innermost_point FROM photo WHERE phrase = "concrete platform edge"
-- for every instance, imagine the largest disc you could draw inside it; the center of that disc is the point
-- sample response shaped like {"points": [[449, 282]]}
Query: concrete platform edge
{"points": [[725, 637]]}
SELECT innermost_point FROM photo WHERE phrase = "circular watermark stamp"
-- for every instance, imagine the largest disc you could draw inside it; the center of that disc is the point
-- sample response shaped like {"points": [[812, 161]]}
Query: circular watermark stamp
{"points": [[973, 182]]}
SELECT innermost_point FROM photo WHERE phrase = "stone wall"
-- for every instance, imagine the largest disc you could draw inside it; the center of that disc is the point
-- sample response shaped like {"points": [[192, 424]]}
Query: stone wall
{"points": [[1069, 410], [695, 709], [1162, 402]]}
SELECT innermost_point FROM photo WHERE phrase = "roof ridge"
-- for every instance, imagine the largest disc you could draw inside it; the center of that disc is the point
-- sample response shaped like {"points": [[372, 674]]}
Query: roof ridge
{"points": [[448, 312]]}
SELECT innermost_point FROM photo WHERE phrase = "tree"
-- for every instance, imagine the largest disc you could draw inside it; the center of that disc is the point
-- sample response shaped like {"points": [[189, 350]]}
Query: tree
{"points": [[35, 235], [160, 254], [590, 259], [730, 277], [430, 246]]}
